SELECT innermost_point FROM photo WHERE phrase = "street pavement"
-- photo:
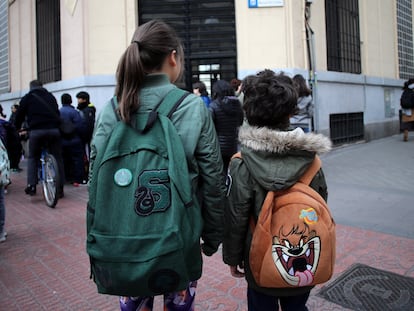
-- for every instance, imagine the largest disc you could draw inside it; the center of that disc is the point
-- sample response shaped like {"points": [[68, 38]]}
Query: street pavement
{"points": [[44, 266], [371, 185]]}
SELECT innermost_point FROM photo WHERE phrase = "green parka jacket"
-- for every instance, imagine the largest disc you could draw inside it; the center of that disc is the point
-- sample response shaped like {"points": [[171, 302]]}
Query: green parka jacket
{"points": [[196, 129], [271, 160]]}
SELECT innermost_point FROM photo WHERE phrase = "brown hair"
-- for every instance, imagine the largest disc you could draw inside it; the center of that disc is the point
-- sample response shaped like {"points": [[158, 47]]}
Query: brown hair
{"points": [[201, 88], [301, 86], [151, 43], [235, 83]]}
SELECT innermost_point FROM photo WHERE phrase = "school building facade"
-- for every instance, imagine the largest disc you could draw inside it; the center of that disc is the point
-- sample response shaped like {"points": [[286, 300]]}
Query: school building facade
{"points": [[356, 54]]}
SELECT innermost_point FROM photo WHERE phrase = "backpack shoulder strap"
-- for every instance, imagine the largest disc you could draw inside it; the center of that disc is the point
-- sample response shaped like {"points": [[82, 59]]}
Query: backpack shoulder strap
{"points": [[311, 171], [172, 101], [306, 179], [166, 107]]}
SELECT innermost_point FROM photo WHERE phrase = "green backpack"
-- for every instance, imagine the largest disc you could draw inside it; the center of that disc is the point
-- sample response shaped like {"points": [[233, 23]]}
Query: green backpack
{"points": [[143, 221]]}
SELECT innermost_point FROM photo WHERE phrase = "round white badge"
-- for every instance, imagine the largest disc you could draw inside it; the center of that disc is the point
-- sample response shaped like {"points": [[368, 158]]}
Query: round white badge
{"points": [[123, 177]]}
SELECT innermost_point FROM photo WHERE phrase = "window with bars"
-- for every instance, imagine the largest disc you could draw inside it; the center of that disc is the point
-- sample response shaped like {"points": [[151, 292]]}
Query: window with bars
{"points": [[4, 47], [208, 32], [343, 36], [49, 67], [405, 39], [346, 127]]}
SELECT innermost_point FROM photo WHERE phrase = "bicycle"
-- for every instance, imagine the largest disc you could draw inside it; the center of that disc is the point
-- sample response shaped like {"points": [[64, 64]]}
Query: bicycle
{"points": [[49, 177]]}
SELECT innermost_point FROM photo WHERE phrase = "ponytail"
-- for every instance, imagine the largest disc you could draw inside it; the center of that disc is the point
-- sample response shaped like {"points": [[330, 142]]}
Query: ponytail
{"points": [[151, 43]]}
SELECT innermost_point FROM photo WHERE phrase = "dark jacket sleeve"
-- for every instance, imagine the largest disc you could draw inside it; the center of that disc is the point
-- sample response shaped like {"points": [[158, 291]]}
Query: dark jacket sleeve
{"points": [[237, 213], [212, 188], [319, 185]]}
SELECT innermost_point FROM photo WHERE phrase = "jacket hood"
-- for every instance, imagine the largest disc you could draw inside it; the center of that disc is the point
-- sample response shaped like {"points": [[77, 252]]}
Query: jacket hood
{"points": [[277, 159]]}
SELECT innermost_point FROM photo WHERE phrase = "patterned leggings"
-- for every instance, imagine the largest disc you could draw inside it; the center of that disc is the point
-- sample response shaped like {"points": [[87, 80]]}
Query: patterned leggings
{"points": [[176, 301]]}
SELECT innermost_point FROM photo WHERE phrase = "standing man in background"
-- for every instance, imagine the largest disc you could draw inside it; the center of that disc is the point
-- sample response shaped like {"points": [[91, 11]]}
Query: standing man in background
{"points": [[87, 112], [72, 146]]}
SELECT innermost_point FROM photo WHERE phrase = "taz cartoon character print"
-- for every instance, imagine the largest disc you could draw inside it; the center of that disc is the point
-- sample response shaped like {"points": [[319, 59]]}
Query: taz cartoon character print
{"points": [[296, 250]]}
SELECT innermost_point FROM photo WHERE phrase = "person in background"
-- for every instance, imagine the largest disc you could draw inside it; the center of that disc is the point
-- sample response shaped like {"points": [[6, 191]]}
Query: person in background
{"points": [[237, 87], [72, 146], [24, 138], [4, 180], [13, 109], [3, 121], [303, 116], [22, 132], [227, 115], [199, 89], [11, 141], [407, 108], [41, 111], [273, 158], [146, 72], [87, 112], [5, 127]]}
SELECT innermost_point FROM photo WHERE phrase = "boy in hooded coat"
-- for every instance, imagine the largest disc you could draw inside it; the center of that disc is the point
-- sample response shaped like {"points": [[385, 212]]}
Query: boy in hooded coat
{"points": [[274, 157]]}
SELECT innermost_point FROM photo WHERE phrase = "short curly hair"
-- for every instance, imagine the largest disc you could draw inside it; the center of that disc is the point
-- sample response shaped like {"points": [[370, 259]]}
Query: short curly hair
{"points": [[269, 99]]}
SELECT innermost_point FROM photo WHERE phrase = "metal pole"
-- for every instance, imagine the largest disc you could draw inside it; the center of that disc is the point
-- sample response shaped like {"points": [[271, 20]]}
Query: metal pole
{"points": [[312, 64]]}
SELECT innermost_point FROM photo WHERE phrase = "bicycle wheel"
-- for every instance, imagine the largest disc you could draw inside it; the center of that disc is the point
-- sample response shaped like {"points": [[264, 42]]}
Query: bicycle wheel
{"points": [[50, 183]]}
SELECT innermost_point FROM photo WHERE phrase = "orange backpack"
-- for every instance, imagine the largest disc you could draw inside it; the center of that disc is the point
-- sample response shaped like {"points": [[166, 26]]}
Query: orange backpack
{"points": [[294, 239]]}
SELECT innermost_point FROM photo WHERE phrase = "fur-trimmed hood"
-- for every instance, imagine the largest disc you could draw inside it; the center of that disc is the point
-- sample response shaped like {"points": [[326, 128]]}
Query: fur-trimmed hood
{"points": [[265, 139], [277, 159]]}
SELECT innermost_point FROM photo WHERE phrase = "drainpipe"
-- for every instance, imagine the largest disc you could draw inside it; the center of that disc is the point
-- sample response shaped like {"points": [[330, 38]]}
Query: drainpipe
{"points": [[310, 44]]}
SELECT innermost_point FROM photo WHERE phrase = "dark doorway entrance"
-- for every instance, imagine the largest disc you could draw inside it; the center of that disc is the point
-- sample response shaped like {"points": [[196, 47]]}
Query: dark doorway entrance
{"points": [[208, 31]]}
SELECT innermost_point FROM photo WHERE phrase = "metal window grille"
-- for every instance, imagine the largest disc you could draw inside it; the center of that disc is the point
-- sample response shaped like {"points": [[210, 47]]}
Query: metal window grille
{"points": [[207, 30], [4, 47], [346, 127], [343, 36], [49, 67], [405, 39]]}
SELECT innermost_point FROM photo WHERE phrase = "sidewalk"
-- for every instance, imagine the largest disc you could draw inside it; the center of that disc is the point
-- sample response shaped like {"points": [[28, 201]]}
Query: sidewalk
{"points": [[44, 266]]}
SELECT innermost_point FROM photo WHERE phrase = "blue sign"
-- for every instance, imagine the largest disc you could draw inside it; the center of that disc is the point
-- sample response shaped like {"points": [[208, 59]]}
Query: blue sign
{"points": [[265, 3], [252, 3]]}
